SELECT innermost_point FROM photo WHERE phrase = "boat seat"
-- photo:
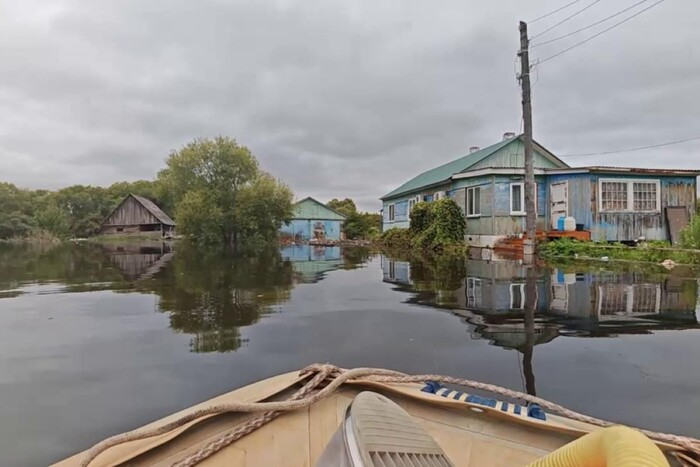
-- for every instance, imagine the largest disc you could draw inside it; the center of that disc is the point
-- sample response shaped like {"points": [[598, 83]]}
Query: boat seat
{"points": [[377, 432]]}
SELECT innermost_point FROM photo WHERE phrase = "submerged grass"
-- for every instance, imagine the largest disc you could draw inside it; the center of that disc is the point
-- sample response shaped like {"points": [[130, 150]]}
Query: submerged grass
{"points": [[648, 252]]}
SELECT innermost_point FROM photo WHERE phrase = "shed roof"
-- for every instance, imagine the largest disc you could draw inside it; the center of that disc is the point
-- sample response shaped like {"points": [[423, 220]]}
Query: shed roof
{"points": [[443, 172], [154, 209], [149, 205], [310, 208]]}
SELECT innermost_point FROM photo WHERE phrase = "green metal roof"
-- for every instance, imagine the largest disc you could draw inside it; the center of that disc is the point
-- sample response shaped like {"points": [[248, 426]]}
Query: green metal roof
{"points": [[309, 208], [445, 171]]}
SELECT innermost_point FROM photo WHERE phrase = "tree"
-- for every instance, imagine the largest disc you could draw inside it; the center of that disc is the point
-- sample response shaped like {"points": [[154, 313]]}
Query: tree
{"points": [[357, 224], [221, 194], [345, 207]]}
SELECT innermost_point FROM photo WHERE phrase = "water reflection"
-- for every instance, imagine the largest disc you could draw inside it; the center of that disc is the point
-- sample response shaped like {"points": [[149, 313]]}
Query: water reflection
{"points": [[516, 307], [492, 296], [139, 262]]}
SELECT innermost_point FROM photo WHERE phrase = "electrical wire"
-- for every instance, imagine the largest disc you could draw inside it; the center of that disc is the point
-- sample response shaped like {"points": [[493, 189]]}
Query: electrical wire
{"points": [[532, 46], [552, 12], [696, 138], [565, 19], [601, 32]]}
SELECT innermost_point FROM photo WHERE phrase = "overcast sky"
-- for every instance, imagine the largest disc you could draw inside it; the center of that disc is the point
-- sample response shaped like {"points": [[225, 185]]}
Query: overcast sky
{"points": [[337, 98]]}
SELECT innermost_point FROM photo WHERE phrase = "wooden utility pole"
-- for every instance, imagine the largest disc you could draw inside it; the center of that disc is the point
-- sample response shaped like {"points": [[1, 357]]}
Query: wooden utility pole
{"points": [[530, 214]]}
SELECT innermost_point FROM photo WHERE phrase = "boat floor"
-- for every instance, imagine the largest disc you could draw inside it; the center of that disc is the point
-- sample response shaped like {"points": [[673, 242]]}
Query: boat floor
{"points": [[468, 437]]}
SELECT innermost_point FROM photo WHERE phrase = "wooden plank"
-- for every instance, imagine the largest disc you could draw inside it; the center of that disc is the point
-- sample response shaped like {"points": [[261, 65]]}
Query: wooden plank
{"points": [[677, 219], [323, 423]]}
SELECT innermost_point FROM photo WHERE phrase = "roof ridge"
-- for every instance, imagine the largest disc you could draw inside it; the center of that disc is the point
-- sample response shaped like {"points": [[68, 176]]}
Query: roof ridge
{"points": [[478, 156]]}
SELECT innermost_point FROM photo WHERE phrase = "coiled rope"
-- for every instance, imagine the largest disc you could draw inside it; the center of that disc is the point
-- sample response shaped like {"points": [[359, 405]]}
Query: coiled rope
{"points": [[310, 393]]}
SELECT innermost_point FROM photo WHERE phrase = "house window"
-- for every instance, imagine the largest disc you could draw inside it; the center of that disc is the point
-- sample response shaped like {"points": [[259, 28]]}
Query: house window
{"points": [[618, 195], [644, 196], [474, 201], [411, 203], [392, 212], [517, 199], [517, 296], [613, 196]]}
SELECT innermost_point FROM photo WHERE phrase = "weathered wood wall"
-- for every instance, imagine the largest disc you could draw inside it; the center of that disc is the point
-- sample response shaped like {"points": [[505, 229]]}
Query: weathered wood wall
{"points": [[624, 226], [131, 212]]}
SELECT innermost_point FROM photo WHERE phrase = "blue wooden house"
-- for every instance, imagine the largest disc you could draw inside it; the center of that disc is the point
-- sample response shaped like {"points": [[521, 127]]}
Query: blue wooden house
{"points": [[612, 203], [313, 220]]}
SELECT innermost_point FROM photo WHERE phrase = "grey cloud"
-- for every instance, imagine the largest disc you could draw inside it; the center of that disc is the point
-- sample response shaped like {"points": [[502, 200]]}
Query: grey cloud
{"points": [[336, 98]]}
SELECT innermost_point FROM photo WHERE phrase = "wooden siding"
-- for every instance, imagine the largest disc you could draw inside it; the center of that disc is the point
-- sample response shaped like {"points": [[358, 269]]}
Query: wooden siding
{"points": [[513, 155], [130, 212], [625, 226], [628, 226]]}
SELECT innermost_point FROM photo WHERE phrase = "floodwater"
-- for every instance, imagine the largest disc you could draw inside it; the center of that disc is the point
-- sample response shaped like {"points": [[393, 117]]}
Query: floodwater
{"points": [[97, 340]]}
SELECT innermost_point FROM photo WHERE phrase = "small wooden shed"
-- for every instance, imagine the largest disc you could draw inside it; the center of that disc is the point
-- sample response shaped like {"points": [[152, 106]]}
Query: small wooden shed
{"points": [[137, 215]]}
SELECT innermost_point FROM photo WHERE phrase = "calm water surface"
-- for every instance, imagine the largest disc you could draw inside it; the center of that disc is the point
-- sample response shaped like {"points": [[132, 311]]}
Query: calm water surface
{"points": [[101, 339]]}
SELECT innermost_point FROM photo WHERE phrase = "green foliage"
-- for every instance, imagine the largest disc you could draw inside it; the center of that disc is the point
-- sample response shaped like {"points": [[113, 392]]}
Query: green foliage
{"points": [[75, 211], [654, 252], [345, 207], [444, 225], [198, 218], [397, 238], [690, 236], [434, 226], [235, 199], [420, 217], [213, 186], [53, 219], [362, 225], [358, 225]]}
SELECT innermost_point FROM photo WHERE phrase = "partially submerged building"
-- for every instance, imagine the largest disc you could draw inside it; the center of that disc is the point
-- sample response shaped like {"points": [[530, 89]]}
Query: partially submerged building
{"points": [[138, 215], [313, 220], [612, 203]]}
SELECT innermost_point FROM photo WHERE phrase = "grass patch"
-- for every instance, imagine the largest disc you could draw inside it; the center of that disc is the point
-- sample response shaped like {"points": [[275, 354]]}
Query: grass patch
{"points": [[648, 252]]}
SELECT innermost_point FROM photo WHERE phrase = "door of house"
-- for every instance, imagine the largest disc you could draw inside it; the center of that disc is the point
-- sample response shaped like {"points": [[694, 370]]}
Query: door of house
{"points": [[559, 201]]}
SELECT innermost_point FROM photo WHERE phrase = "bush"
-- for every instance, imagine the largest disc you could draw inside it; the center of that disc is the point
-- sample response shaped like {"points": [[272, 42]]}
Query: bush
{"points": [[690, 236], [420, 217], [433, 227], [396, 238]]}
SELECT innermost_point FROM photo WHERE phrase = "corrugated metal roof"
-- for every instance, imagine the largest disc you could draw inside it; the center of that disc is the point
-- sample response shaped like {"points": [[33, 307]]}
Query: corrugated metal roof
{"points": [[445, 171], [155, 210], [644, 170], [309, 208]]}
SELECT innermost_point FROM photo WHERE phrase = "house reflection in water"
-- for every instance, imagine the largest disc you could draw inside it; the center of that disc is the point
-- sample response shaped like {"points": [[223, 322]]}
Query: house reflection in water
{"points": [[596, 303], [139, 262], [492, 301], [492, 298], [312, 262]]}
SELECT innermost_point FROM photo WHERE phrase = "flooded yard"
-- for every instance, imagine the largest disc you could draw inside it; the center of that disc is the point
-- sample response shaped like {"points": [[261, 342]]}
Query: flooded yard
{"points": [[101, 339]]}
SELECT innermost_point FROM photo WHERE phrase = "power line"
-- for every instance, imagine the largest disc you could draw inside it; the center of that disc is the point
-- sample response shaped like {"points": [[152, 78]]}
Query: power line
{"points": [[552, 12], [532, 46], [565, 19], [601, 32], [633, 149]]}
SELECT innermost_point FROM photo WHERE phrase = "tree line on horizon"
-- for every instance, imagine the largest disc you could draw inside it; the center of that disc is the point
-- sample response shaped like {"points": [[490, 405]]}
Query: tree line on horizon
{"points": [[214, 188]]}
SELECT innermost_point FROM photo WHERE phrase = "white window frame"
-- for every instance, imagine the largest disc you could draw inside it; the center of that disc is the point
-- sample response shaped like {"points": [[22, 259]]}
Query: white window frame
{"points": [[477, 209], [392, 212], [630, 193], [522, 199], [411, 203]]}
